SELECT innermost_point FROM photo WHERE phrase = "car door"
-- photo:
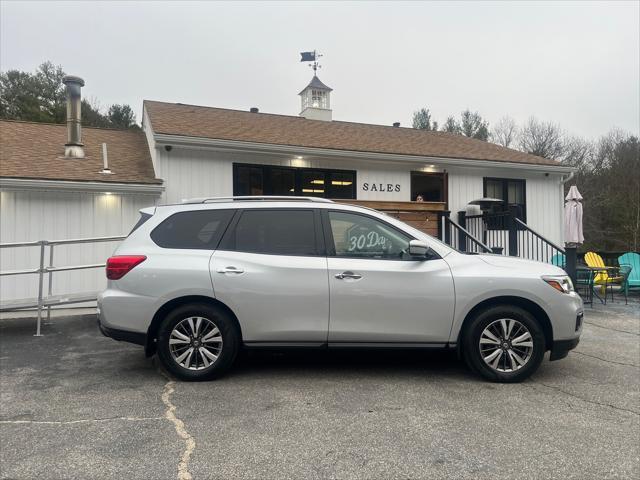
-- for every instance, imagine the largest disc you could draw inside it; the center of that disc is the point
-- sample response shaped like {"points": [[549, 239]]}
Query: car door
{"points": [[271, 270], [378, 293]]}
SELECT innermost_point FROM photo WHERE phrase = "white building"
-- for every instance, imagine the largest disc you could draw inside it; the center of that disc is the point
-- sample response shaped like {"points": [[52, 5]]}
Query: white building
{"points": [[191, 151]]}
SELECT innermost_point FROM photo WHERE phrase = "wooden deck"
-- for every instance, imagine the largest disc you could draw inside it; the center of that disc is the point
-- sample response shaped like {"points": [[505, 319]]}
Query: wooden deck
{"points": [[420, 215]]}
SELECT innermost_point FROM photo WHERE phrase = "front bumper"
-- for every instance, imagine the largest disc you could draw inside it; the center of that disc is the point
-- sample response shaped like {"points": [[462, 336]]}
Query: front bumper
{"points": [[561, 348]]}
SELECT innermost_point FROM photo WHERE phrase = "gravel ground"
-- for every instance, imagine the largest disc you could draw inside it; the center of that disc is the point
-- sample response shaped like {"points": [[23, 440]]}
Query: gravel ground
{"points": [[77, 405]]}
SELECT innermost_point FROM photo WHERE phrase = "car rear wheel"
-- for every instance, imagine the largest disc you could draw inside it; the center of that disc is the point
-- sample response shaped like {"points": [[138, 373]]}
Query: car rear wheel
{"points": [[504, 344], [197, 342]]}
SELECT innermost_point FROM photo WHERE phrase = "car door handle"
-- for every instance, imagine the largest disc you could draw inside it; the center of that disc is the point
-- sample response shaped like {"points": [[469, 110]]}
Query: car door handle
{"points": [[230, 269], [343, 275]]}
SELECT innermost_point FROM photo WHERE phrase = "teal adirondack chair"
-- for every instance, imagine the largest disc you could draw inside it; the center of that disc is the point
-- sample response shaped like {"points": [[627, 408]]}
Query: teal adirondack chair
{"points": [[633, 260], [559, 260]]}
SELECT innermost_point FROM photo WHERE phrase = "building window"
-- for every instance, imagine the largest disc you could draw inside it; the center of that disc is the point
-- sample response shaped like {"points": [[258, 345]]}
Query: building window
{"points": [[512, 192], [314, 183], [431, 187], [248, 180], [319, 99], [281, 181], [308, 182]]}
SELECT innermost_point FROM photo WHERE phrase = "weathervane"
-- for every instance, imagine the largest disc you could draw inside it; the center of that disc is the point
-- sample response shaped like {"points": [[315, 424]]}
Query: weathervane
{"points": [[311, 57]]}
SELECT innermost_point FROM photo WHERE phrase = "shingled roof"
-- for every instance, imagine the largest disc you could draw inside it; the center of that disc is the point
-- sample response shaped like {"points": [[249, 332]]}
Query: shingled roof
{"points": [[220, 123], [36, 151]]}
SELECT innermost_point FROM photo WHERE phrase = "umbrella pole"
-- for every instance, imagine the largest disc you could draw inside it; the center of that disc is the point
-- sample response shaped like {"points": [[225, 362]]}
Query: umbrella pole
{"points": [[571, 255]]}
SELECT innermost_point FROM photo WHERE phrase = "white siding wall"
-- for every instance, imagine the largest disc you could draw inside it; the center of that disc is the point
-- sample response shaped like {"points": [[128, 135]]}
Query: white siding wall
{"points": [[544, 196], [32, 215], [190, 173]]}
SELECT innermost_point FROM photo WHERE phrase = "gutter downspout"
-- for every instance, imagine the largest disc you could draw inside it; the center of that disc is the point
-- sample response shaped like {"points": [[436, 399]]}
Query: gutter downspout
{"points": [[569, 177]]}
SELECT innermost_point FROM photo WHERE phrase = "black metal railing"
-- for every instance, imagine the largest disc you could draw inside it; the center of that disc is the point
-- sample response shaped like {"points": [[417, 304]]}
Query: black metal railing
{"points": [[503, 233], [533, 246], [490, 229], [459, 238]]}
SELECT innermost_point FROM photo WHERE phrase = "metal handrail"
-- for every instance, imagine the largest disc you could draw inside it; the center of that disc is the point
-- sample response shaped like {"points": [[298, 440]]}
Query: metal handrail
{"points": [[19, 272], [74, 267], [469, 236], [86, 240], [536, 234], [50, 269], [61, 242], [20, 244]]}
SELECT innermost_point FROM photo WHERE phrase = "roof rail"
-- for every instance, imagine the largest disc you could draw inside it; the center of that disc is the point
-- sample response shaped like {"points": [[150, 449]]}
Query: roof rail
{"points": [[260, 198]]}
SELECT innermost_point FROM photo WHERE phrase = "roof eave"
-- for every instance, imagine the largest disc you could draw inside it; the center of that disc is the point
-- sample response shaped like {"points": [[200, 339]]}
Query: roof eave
{"points": [[203, 142], [16, 183]]}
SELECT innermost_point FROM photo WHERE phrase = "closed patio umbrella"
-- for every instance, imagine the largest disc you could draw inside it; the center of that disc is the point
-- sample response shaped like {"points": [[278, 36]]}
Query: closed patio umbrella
{"points": [[572, 229], [573, 218]]}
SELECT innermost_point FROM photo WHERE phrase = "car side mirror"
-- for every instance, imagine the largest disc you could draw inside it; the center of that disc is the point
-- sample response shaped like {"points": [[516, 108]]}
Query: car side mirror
{"points": [[419, 249]]}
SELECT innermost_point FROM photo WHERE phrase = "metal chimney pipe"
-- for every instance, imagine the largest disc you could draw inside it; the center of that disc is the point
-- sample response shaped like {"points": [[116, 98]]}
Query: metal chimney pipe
{"points": [[74, 146]]}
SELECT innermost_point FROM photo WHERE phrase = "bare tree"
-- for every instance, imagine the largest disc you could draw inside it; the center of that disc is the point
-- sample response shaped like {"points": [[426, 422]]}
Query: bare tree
{"points": [[545, 139], [505, 132], [609, 180], [579, 153]]}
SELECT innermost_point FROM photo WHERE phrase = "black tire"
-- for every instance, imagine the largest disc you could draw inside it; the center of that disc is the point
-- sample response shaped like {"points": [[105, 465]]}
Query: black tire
{"points": [[228, 331], [471, 344]]}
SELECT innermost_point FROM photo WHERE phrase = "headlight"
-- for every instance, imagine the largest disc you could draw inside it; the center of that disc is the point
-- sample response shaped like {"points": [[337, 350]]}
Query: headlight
{"points": [[562, 283]]}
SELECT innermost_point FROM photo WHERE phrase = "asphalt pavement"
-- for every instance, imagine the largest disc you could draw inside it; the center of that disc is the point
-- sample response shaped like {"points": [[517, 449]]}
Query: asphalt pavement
{"points": [[75, 404]]}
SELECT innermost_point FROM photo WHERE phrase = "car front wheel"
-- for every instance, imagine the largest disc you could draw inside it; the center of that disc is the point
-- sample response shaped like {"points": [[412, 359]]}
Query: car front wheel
{"points": [[504, 344], [197, 342]]}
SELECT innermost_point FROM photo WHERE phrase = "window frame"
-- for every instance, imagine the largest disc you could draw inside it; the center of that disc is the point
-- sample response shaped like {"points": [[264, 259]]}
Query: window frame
{"points": [[268, 190], [505, 192], [331, 246], [227, 242], [445, 184]]}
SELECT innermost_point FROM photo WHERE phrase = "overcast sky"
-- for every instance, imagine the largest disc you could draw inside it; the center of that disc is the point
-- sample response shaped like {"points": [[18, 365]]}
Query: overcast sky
{"points": [[573, 63]]}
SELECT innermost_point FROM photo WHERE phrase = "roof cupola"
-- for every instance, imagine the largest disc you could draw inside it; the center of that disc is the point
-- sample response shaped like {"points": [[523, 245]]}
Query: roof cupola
{"points": [[315, 98]]}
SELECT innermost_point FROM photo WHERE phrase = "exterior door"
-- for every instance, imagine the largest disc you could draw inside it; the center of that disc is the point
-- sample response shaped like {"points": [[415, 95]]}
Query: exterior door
{"points": [[378, 294], [271, 270]]}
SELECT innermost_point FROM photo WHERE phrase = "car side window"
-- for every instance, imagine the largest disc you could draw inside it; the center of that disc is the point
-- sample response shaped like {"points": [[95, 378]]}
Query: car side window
{"points": [[275, 232], [198, 229], [360, 236]]}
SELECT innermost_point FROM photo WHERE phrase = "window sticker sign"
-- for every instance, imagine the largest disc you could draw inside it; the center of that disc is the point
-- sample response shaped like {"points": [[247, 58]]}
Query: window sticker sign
{"points": [[369, 241], [361, 239]]}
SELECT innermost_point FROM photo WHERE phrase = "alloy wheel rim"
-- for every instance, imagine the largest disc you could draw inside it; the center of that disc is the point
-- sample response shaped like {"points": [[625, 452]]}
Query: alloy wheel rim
{"points": [[506, 345], [195, 343]]}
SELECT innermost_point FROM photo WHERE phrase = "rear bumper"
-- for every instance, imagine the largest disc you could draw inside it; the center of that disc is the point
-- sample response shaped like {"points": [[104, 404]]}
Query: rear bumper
{"points": [[561, 348], [122, 335]]}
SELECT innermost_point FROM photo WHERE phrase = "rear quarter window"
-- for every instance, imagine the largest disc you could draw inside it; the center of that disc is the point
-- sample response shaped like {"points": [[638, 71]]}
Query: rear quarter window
{"points": [[143, 218], [199, 229]]}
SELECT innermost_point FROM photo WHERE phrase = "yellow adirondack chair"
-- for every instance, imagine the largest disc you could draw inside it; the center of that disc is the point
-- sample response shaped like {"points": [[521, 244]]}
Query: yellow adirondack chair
{"points": [[602, 277]]}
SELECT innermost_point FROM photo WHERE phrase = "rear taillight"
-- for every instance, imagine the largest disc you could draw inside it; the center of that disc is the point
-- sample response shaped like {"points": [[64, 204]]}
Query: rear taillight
{"points": [[119, 266]]}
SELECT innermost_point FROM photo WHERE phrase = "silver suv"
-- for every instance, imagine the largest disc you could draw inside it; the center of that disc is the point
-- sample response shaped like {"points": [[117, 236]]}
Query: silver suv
{"points": [[196, 282]]}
